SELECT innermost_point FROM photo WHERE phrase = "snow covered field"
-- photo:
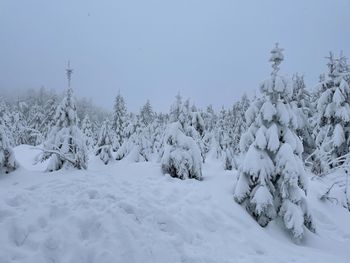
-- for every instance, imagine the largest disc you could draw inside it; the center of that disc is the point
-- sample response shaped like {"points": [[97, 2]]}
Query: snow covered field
{"points": [[130, 212]]}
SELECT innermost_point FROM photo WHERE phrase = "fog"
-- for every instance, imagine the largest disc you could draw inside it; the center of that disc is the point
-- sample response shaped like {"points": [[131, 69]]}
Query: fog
{"points": [[209, 51]]}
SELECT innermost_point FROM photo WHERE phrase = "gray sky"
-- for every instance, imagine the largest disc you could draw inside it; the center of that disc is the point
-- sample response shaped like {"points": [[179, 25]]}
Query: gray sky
{"points": [[210, 50]]}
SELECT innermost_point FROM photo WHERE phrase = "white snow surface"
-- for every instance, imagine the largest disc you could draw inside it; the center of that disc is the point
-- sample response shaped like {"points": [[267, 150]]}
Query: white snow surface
{"points": [[130, 212]]}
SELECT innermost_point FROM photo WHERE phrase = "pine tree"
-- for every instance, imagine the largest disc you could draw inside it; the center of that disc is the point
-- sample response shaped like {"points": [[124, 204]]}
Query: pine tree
{"points": [[182, 156], [19, 128], [302, 99], [50, 108], [147, 114], [5, 120], [333, 118], [176, 109], [272, 181], [104, 144], [138, 147], [209, 118], [220, 141], [157, 135], [8, 162], [36, 117], [238, 122], [86, 128], [196, 129], [65, 146], [119, 122]]}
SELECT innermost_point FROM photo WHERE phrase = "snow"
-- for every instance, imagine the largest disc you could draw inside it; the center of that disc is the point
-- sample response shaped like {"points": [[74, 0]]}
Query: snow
{"points": [[130, 212]]}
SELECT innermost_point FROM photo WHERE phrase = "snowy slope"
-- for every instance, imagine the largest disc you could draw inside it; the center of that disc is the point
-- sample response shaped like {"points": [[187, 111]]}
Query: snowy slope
{"points": [[130, 212]]}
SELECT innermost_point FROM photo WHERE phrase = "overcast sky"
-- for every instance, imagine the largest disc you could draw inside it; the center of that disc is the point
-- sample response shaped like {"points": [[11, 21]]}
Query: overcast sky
{"points": [[209, 50]]}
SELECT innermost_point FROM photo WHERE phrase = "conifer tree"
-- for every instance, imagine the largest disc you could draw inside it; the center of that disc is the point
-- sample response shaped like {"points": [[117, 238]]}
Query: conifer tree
{"points": [[146, 114], [238, 122], [272, 181], [182, 156], [333, 118], [104, 144], [119, 122], [8, 162], [86, 128], [302, 99], [65, 146]]}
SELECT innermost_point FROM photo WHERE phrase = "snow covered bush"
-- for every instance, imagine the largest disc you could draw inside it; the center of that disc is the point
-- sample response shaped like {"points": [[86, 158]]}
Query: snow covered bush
{"points": [[272, 181], [104, 144], [65, 146], [182, 157], [7, 158]]}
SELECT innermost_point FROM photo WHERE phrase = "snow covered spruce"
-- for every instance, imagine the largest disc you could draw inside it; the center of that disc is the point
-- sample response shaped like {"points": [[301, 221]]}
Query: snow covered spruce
{"points": [[65, 146], [119, 121], [332, 131], [8, 162], [86, 128], [182, 156], [104, 144], [272, 181]]}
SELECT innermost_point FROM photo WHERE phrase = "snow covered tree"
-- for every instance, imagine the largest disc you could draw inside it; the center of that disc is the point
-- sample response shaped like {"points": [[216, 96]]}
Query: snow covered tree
{"points": [[104, 144], [197, 123], [302, 99], [182, 156], [65, 146], [196, 129], [119, 122], [175, 109], [157, 135], [86, 128], [146, 114], [220, 140], [5, 120], [19, 128], [50, 108], [238, 122], [209, 118], [333, 119], [138, 147], [272, 180], [7, 158], [36, 118]]}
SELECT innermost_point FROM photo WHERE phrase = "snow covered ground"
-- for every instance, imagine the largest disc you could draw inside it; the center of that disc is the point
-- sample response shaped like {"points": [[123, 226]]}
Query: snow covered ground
{"points": [[130, 212]]}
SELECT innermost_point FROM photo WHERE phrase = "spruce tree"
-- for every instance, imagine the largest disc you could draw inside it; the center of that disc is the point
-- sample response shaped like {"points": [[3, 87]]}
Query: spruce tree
{"points": [[8, 162], [182, 156], [65, 146], [147, 114], [86, 128], [302, 99], [104, 144], [272, 181], [333, 118], [138, 147], [119, 122]]}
